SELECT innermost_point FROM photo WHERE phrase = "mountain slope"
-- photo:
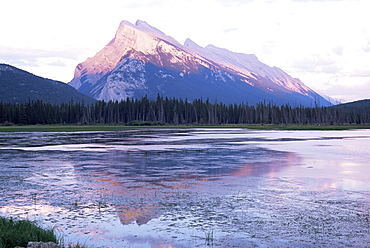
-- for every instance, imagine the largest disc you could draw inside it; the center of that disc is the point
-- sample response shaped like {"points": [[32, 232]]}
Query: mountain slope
{"points": [[19, 86], [250, 65], [141, 60], [359, 106]]}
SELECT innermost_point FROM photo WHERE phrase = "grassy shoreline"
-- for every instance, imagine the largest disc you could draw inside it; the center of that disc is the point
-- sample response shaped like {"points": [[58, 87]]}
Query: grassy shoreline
{"points": [[83, 128], [19, 232]]}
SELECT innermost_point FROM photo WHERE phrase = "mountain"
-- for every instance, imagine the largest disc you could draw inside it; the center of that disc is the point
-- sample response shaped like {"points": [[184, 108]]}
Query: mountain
{"points": [[141, 60], [19, 86], [356, 106]]}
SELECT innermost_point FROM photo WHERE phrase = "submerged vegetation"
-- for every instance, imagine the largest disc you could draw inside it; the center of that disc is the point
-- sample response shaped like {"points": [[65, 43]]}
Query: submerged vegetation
{"points": [[19, 232], [164, 111]]}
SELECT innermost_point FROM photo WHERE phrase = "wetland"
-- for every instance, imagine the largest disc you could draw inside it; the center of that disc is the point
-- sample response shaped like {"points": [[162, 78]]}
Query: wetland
{"points": [[191, 187]]}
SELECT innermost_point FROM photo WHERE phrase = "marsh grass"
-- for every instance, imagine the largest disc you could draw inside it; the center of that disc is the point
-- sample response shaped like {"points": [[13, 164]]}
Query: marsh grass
{"points": [[71, 245], [19, 232]]}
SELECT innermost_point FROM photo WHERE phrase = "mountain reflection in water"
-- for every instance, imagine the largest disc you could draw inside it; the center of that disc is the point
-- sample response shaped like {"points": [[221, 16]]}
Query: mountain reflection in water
{"points": [[173, 187], [148, 178]]}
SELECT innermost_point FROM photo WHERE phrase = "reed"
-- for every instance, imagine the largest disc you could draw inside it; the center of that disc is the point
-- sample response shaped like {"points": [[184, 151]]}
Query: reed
{"points": [[209, 237]]}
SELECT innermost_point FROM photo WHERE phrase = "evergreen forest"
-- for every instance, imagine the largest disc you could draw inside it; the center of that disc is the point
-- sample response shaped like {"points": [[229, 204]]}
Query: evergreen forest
{"points": [[165, 111]]}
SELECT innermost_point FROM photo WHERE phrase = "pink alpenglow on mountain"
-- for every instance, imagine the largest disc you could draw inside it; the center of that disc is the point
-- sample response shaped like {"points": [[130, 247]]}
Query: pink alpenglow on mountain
{"points": [[143, 61]]}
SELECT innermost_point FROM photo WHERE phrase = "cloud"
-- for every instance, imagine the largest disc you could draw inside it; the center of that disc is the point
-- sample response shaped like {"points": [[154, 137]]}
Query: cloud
{"points": [[348, 93], [228, 30], [31, 62], [360, 73], [230, 3], [34, 53], [57, 63], [366, 46], [316, 64], [143, 4], [19, 53], [303, 1], [332, 69], [338, 50]]}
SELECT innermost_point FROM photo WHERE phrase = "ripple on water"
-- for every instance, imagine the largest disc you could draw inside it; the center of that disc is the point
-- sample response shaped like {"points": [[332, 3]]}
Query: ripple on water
{"points": [[191, 188]]}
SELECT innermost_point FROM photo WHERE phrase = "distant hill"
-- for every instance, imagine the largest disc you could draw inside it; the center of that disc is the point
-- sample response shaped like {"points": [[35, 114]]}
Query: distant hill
{"points": [[19, 86], [356, 106]]}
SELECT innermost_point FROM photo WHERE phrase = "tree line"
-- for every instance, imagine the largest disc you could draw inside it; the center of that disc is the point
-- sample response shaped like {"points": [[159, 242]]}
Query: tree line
{"points": [[173, 111]]}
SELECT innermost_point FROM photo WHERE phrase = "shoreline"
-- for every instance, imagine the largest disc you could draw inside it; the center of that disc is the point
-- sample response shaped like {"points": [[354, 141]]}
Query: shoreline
{"points": [[92, 128]]}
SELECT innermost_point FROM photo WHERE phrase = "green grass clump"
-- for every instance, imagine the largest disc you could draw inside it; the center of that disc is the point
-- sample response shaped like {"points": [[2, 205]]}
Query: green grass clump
{"points": [[19, 232]]}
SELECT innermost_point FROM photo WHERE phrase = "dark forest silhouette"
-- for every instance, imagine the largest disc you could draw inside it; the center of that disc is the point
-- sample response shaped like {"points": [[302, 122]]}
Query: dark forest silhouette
{"points": [[176, 112]]}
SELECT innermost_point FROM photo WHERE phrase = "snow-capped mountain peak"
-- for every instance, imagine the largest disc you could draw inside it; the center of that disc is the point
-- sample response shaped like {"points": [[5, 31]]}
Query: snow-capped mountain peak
{"points": [[145, 27], [142, 60], [191, 46]]}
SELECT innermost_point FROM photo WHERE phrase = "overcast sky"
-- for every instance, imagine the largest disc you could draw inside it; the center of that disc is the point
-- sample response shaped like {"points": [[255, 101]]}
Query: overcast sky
{"points": [[325, 43]]}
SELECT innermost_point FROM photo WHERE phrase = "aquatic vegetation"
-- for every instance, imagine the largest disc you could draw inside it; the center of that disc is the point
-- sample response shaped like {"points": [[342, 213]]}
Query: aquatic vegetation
{"points": [[71, 245], [209, 237]]}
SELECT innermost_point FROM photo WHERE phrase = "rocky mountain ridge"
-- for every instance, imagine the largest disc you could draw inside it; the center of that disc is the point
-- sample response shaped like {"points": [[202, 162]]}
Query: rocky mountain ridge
{"points": [[141, 60]]}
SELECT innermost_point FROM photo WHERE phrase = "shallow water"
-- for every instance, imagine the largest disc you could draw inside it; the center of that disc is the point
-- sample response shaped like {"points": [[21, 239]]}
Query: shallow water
{"points": [[192, 187]]}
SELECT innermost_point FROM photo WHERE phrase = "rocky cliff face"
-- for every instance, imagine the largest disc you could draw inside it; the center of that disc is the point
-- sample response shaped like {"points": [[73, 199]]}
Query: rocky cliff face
{"points": [[141, 60]]}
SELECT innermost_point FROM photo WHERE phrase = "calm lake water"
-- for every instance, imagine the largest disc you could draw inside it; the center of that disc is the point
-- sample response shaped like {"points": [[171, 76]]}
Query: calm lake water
{"points": [[192, 187]]}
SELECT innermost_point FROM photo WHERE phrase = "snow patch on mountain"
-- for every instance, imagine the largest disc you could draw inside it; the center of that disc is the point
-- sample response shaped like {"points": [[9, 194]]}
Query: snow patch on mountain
{"points": [[248, 65], [145, 27]]}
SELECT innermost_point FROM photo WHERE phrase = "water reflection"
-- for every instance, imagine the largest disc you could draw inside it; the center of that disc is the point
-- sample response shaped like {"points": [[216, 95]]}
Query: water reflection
{"points": [[153, 188], [143, 180], [268, 168]]}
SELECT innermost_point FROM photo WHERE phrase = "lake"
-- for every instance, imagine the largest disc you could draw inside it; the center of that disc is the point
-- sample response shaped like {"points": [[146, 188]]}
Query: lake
{"points": [[191, 187]]}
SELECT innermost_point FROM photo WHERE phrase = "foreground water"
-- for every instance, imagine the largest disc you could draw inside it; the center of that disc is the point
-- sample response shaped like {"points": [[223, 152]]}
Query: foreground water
{"points": [[192, 188]]}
